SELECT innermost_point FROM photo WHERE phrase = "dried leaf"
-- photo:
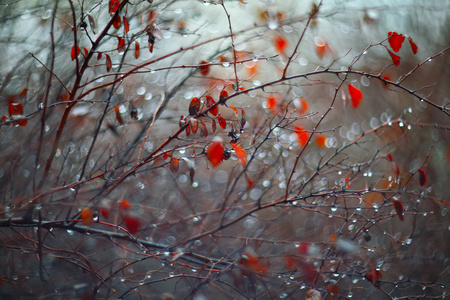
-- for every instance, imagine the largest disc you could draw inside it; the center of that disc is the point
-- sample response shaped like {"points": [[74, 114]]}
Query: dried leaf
{"points": [[174, 164], [194, 106], [108, 63], [398, 209], [92, 23], [422, 177]]}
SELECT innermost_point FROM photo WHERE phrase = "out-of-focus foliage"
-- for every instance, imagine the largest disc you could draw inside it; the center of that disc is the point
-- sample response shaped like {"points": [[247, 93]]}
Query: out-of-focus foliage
{"points": [[236, 149]]}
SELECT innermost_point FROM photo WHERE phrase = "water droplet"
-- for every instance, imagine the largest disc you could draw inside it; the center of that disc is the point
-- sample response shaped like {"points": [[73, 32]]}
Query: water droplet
{"points": [[333, 208], [171, 274]]}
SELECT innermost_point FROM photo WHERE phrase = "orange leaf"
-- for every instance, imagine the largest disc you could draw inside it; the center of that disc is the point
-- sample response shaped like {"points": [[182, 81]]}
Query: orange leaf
{"points": [[174, 164], [126, 25], [118, 115], [422, 177], [124, 205], [355, 95], [235, 110], [374, 276], [301, 135], [272, 103], [320, 140], [188, 130], [108, 63], [194, 106], [222, 122], [398, 209], [210, 103], [137, 48], [301, 105], [133, 224], [214, 153], [204, 68], [413, 45], [321, 47], [395, 40], [395, 58], [240, 153], [121, 46], [86, 216], [281, 44]]}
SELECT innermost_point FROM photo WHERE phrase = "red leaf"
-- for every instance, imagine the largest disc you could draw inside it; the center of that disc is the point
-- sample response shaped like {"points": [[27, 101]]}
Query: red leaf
{"points": [[74, 53], [86, 52], [133, 224], [213, 125], [389, 156], [356, 95], [281, 44], [395, 168], [99, 56], [117, 22], [104, 213], [15, 109], [118, 115], [204, 68], [194, 125], [86, 216], [398, 209], [214, 153], [174, 164], [395, 40], [422, 177], [374, 276], [137, 48], [301, 135], [243, 120], [113, 6], [188, 130], [121, 46], [108, 63], [203, 130], [240, 153], [395, 58], [126, 25], [222, 122], [194, 106], [210, 103], [413, 45], [223, 95], [182, 121]]}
